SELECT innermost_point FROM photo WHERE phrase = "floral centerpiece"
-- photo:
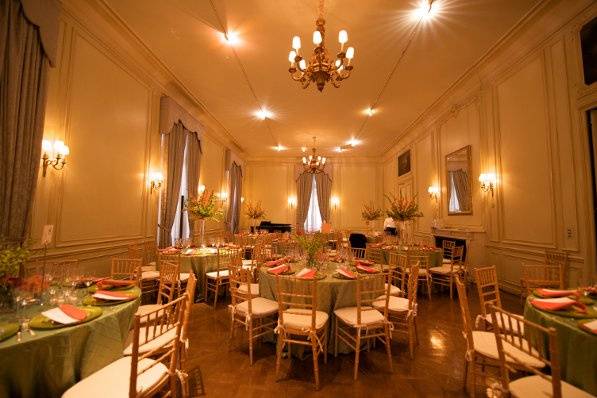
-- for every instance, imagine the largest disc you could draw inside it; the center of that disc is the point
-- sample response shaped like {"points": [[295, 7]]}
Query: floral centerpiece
{"points": [[312, 245], [11, 259], [371, 213], [205, 207], [255, 212], [403, 210]]}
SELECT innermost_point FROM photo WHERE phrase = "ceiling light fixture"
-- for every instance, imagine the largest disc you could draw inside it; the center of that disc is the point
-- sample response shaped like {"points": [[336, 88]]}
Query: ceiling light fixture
{"points": [[354, 142], [263, 114], [369, 111], [426, 10], [279, 148], [320, 69], [231, 38], [314, 163]]}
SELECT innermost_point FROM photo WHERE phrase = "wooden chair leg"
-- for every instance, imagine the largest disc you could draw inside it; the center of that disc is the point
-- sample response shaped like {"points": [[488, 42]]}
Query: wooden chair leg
{"points": [[465, 373], [205, 287], [411, 339], [315, 361], [428, 287], [357, 353], [216, 293], [389, 347], [251, 342], [325, 344], [451, 285], [279, 348], [336, 340]]}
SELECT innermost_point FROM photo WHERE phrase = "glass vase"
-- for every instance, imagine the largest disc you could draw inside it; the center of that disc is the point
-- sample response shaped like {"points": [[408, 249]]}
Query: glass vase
{"points": [[201, 232]]}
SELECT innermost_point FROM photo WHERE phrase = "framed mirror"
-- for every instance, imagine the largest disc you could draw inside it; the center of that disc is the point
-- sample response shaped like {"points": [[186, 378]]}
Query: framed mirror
{"points": [[458, 182]]}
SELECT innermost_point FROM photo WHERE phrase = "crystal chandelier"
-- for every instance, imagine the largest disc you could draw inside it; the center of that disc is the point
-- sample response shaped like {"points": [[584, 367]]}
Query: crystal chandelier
{"points": [[320, 69], [314, 163]]}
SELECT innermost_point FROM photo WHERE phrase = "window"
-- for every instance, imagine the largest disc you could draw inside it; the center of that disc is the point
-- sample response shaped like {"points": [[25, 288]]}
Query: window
{"points": [[180, 228], [313, 221]]}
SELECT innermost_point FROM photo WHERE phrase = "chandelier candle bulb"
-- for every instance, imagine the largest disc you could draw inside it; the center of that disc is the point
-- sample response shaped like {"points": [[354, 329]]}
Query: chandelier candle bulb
{"points": [[292, 57], [317, 39], [350, 53], [342, 37], [296, 43]]}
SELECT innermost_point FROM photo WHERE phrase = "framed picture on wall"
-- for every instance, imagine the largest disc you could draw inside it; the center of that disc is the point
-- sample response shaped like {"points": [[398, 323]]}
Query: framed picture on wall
{"points": [[404, 163]]}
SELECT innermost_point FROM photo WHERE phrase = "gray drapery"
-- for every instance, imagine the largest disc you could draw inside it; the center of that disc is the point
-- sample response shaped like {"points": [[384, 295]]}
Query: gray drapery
{"points": [[463, 193], [174, 143], [304, 185], [236, 189], [193, 171], [324, 191], [23, 82]]}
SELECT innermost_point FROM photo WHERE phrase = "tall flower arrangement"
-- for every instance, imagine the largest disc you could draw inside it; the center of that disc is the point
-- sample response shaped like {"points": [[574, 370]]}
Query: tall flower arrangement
{"points": [[370, 212], [312, 244], [402, 209], [205, 207], [11, 259], [254, 210]]}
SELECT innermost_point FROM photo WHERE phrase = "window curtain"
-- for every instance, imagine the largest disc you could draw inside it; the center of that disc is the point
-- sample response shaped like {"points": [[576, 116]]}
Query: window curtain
{"points": [[174, 143], [193, 171], [236, 181], [23, 85], [460, 178], [304, 184], [324, 192]]}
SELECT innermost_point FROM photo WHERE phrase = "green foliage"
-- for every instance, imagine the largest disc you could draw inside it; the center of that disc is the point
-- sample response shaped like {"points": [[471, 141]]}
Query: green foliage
{"points": [[10, 261], [311, 244], [206, 207], [402, 209], [370, 212]]}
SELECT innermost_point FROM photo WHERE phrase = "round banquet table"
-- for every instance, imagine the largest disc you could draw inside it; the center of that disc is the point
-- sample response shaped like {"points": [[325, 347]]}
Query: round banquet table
{"points": [[577, 348], [47, 364], [332, 294], [435, 255], [201, 261]]}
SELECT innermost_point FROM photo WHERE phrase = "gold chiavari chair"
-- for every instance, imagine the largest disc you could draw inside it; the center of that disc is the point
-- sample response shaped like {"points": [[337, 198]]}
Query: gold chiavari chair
{"points": [[448, 272], [395, 274], [183, 277], [481, 347], [560, 258], [257, 315], [168, 287], [489, 293], [402, 312], [374, 254], [539, 384], [424, 276], [134, 250], [357, 252], [299, 322], [125, 268], [152, 366], [541, 275], [220, 277], [368, 320]]}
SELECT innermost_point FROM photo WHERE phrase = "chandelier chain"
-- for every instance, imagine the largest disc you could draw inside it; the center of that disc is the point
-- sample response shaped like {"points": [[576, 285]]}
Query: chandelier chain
{"points": [[321, 9]]}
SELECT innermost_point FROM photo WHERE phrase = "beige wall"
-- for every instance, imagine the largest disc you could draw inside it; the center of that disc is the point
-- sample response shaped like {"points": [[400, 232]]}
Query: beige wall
{"points": [[522, 111], [104, 103], [354, 182]]}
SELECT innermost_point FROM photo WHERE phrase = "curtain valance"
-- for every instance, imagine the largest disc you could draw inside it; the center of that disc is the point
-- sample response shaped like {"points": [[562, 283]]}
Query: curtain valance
{"points": [[172, 113], [45, 15]]}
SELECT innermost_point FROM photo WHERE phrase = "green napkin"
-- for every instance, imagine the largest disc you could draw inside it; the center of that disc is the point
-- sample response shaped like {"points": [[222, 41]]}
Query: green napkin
{"points": [[7, 330], [41, 322]]}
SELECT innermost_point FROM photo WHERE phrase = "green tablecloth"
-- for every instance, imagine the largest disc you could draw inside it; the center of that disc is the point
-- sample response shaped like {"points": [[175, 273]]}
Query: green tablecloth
{"points": [[199, 264], [47, 364], [577, 349], [435, 256], [332, 294]]}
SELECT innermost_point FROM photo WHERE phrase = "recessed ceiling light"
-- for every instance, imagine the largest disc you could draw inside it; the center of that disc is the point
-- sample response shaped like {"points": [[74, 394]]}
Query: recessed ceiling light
{"points": [[369, 111], [339, 149], [354, 142], [231, 38], [426, 10], [263, 114], [279, 148]]}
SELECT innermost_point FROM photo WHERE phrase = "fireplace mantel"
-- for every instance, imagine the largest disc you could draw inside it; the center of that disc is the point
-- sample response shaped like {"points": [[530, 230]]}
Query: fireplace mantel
{"points": [[474, 237]]}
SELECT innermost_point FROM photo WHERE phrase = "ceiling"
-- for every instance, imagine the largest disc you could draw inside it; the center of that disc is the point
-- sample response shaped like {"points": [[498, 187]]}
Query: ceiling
{"points": [[234, 81]]}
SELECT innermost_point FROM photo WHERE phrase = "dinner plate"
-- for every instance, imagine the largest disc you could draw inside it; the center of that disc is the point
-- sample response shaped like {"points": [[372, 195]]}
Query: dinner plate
{"points": [[340, 276], [361, 271], [586, 329], [7, 330], [41, 322], [95, 288]]}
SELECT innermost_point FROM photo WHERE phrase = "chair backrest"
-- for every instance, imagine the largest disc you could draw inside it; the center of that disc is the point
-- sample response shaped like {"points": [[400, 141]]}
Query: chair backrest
{"points": [[369, 288], [169, 275], [296, 294], [357, 252], [150, 252], [134, 250], [156, 324], [374, 254], [413, 283], [447, 247], [126, 268], [240, 277], [190, 293], [542, 275], [467, 326], [418, 257], [539, 333], [173, 258], [457, 255], [487, 287]]}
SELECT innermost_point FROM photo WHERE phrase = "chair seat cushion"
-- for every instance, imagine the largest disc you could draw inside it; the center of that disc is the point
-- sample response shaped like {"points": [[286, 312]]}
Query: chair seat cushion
{"points": [[148, 267], [396, 304], [150, 274], [484, 343], [446, 261], [183, 276], [507, 326], [259, 306], [247, 262], [536, 386], [146, 346], [113, 380], [369, 315], [394, 290], [254, 289], [445, 269], [300, 318], [214, 274]]}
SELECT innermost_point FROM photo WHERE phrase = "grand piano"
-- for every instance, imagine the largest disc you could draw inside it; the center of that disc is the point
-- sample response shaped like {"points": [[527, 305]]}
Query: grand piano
{"points": [[272, 227]]}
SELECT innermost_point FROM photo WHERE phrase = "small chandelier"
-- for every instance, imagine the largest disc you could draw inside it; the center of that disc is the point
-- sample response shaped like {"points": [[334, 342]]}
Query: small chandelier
{"points": [[314, 163], [320, 69]]}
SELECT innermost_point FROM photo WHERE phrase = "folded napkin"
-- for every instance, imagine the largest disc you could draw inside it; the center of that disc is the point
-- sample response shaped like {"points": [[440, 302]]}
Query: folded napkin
{"points": [[554, 304], [112, 283], [367, 268], [590, 326], [66, 314], [108, 295], [273, 263], [541, 292], [279, 269], [365, 262], [306, 273], [346, 272]]}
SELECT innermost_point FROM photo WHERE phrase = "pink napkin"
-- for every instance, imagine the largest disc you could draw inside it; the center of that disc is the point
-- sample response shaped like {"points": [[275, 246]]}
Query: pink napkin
{"points": [[590, 326], [118, 295], [365, 262], [554, 292], [73, 312], [367, 268], [279, 269], [553, 304], [306, 273], [110, 283], [273, 263], [345, 272]]}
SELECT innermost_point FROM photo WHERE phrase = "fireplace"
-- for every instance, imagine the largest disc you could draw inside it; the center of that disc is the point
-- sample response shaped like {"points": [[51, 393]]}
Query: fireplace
{"points": [[439, 240]]}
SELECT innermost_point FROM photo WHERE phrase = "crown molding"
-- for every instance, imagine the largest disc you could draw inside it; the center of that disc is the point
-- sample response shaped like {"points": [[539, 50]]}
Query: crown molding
{"points": [[255, 160]]}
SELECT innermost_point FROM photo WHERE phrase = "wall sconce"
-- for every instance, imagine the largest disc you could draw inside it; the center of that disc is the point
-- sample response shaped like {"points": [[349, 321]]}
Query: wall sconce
{"points": [[488, 182], [433, 192], [242, 199], [223, 196], [335, 202], [292, 202], [155, 181], [53, 154]]}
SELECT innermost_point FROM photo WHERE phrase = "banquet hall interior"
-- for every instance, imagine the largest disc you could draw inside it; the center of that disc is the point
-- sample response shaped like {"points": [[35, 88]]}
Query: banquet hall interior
{"points": [[255, 198]]}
